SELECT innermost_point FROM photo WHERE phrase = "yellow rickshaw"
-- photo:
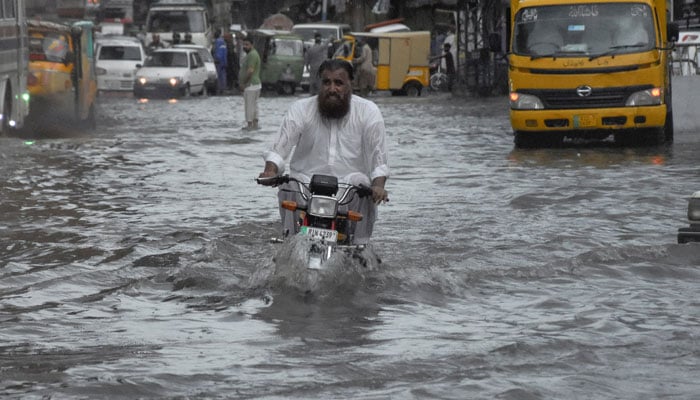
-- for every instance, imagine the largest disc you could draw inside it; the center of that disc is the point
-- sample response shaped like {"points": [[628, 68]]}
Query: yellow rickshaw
{"points": [[401, 59], [62, 79]]}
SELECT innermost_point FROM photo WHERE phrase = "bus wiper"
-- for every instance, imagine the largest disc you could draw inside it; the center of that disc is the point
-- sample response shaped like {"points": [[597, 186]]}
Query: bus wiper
{"points": [[612, 50], [556, 54]]}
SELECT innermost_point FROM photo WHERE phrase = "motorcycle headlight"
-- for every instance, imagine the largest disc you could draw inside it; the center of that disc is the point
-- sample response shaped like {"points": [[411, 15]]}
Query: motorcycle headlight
{"points": [[694, 207], [649, 97], [520, 101], [323, 206]]}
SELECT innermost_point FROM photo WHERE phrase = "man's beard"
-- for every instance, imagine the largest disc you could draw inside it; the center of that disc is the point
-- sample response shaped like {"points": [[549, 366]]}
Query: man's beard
{"points": [[332, 106]]}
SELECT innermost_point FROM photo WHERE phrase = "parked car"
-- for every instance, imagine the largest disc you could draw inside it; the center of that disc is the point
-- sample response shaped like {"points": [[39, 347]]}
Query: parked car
{"points": [[116, 61], [212, 76], [691, 233], [171, 73]]}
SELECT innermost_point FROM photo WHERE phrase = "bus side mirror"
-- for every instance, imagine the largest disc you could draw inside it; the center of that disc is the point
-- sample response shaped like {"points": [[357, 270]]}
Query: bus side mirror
{"points": [[672, 31]]}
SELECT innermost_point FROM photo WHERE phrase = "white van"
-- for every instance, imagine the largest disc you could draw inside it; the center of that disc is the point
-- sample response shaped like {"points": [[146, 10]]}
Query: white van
{"points": [[330, 33], [116, 61], [169, 16]]}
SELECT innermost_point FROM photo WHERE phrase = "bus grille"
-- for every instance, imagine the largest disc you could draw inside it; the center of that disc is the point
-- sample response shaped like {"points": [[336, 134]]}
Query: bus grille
{"points": [[599, 97]]}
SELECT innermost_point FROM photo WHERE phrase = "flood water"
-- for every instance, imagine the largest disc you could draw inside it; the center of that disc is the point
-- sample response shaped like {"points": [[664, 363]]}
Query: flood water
{"points": [[136, 262]]}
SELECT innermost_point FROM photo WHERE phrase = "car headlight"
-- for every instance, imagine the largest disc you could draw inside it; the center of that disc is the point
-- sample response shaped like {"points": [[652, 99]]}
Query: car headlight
{"points": [[520, 101], [694, 207], [175, 81], [649, 97], [100, 71], [141, 80], [322, 206]]}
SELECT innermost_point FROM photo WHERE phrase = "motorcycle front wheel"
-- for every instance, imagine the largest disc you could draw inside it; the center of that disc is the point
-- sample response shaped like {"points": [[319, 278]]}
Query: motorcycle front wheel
{"points": [[438, 81]]}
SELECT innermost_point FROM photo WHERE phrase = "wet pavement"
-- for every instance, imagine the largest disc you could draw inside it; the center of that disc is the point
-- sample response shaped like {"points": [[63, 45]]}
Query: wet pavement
{"points": [[136, 263]]}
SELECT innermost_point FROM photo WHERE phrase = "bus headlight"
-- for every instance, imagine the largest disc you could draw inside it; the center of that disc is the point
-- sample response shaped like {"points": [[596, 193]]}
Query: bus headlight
{"points": [[520, 101], [649, 97]]}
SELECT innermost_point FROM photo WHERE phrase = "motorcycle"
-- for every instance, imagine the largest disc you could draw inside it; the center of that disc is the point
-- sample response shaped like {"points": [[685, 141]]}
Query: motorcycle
{"points": [[438, 79], [322, 220]]}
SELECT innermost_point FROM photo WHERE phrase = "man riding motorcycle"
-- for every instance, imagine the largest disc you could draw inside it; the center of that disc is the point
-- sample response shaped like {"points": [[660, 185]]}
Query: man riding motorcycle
{"points": [[334, 133]]}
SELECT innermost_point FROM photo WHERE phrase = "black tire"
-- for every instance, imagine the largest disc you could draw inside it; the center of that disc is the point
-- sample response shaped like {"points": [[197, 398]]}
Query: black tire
{"points": [[285, 88], [668, 128], [412, 89], [438, 81]]}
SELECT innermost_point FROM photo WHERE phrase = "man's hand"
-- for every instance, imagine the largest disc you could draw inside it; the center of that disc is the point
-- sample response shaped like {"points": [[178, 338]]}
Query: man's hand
{"points": [[379, 194], [270, 171]]}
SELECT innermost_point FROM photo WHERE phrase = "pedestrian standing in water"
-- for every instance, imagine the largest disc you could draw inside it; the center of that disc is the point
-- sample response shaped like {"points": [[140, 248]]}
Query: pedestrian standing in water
{"points": [[220, 59], [249, 83], [155, 43], [314, 56], [366, 70], [231, 62]]}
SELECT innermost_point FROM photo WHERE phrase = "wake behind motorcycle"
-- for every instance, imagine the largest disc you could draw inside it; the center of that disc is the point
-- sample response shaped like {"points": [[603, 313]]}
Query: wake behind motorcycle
{"points": [[323, 219]]}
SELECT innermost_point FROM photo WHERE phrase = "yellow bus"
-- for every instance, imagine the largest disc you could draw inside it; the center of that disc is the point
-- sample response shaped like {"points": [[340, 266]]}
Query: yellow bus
{"points": [[62, 79], [590, 69]]}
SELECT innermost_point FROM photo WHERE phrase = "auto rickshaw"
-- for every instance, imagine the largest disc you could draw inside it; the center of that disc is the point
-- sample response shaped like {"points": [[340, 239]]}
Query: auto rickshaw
{"points": [[401, 58], [281, 58], [62, 79]]}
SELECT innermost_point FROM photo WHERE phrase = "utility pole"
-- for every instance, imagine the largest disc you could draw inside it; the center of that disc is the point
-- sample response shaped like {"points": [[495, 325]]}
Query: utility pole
{"points": [[324, 8]]}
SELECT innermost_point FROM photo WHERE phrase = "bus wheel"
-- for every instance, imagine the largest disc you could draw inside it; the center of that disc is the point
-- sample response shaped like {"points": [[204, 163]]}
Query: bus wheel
{"points": [[668, 128], [285, 88]]}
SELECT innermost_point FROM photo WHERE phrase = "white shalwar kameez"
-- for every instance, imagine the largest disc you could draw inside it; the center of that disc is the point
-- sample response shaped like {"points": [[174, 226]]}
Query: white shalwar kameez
{"points": [[352, 148]]}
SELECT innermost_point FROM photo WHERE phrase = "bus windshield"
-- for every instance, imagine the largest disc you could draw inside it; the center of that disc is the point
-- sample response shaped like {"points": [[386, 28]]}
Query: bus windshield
{"points": [[592, 30]]}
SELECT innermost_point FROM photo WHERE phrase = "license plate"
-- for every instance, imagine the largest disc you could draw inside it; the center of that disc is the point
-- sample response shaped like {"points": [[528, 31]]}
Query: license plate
{"points": [[584, 121], [323, 234]]}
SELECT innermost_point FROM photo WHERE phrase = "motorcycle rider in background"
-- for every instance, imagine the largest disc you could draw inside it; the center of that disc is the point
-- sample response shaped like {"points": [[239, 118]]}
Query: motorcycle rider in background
{"points": [[334, 133]]}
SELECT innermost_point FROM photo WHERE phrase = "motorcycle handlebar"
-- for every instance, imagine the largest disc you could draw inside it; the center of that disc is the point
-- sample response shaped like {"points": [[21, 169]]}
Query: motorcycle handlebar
{"points": [[361, 190]]}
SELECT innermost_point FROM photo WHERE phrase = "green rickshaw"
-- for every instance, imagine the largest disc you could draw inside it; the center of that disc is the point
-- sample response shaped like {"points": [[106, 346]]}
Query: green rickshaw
{"points": [[282, 59]]}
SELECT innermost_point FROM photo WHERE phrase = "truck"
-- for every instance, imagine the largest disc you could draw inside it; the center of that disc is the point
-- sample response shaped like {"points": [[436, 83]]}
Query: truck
{"points": [[169, 17], [589, 70]]}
